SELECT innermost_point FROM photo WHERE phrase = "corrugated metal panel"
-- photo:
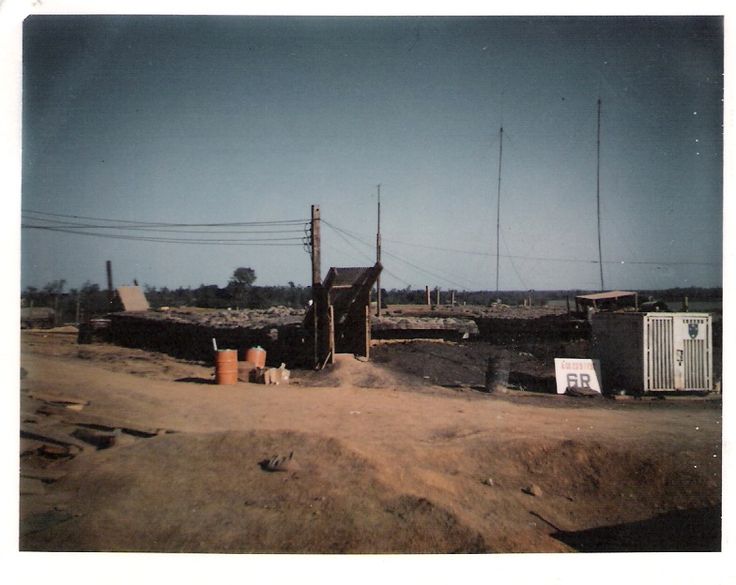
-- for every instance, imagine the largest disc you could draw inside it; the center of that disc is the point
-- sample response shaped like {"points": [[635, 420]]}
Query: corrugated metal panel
{"points": [[614, 294], [696, 356], [676, 353], [659, 343], [132, 298]]}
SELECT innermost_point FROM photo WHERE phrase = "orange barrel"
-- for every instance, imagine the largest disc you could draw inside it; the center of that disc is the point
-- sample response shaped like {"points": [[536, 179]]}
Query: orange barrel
{"points": [[257, 356], [226, 366]]}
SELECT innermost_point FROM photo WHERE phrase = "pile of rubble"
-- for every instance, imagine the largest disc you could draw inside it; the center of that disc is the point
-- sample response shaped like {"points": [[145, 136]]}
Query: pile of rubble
{"points": [[250, 318], [405, 327]]}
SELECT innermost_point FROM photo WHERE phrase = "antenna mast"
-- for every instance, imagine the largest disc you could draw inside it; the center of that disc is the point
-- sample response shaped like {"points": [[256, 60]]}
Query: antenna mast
{"points": [[498, 206], [378, 255], [598, 194]]}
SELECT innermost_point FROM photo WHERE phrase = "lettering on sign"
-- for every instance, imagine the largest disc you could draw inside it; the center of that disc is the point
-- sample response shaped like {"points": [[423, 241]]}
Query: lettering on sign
{"points": [[584, 374]]}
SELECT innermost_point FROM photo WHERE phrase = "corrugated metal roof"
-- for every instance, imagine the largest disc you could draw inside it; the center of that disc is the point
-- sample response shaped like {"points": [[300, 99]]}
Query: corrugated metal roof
{"points": [[613, 294], [132, 298], [347, 276]]}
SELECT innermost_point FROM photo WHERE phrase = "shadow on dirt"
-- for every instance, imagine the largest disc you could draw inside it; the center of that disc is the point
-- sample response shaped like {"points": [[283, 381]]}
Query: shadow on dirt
{"points": [[694, 530], [196, 380], [532, 383]]}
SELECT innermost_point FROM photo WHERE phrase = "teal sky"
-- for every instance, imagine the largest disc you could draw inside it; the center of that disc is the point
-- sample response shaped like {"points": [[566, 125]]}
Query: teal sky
{"points": [[193, 120]]}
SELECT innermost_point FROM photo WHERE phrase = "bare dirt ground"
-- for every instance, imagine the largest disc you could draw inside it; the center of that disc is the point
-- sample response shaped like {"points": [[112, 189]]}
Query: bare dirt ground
{"points": [[129, 450]]}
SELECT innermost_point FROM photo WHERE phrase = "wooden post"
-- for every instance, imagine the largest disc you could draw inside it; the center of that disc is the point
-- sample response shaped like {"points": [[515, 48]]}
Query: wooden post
{"points": [[331, 319], [367, 331], [452, 298], [438, 296], [108, 265], [316, 248], [316, 279], [426, 293], [110, 294]]}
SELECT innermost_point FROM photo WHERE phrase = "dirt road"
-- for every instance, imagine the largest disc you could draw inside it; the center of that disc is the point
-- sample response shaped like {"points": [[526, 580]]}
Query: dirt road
{"points": [[150, 456]]}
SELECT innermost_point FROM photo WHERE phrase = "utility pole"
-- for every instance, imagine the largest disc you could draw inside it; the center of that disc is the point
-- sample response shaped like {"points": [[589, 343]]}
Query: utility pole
{"points": [[378, 255], [315, 247], [316, 278], [498, 206], [598, 194]]}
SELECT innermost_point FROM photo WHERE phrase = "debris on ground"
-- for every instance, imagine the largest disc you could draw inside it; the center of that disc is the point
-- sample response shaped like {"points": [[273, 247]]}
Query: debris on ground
{"points": [[532, 489], [580, 391], [279, 463]]}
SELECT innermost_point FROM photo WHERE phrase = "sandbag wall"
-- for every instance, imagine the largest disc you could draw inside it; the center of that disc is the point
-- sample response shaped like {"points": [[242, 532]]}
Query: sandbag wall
{"points": [[193, 341], [502, 331]]}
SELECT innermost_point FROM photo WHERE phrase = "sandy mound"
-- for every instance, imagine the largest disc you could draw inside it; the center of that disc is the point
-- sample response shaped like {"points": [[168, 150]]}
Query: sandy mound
{"points": [[351, 371], [208, 493]]}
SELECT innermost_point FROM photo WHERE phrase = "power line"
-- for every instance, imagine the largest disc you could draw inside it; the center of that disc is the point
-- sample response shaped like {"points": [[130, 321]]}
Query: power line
{"points": [[348, 242], [364, 255], [168, 224], [199, 241], [74, 225], [427, 272], [549, 259], [511, 261], [415, 266]]}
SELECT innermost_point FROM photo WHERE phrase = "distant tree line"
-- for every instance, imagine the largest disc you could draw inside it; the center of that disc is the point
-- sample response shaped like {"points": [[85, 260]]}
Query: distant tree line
{"points": [[89, 300], [408, 296]]}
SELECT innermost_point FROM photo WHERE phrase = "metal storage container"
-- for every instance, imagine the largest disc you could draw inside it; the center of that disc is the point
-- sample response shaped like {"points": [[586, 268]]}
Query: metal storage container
{"points": [[654, 352]]}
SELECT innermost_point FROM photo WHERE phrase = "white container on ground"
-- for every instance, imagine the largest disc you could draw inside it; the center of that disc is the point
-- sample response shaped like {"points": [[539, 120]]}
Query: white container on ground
{"points": [[654, 352]]}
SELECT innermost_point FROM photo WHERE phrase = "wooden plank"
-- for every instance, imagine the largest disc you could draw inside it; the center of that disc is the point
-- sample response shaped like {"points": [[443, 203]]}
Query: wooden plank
{"points": [[331, 325], [46, 435], [45, 474], [73, 417], [58, 400]]}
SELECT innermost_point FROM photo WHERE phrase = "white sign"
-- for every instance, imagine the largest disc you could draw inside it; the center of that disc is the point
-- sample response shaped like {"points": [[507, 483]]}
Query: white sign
{"points": [[577, 373]]}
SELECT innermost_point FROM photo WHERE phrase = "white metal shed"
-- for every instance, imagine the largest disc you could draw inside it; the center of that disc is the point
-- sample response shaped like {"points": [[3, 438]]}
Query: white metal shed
{"points": [[654, 352]]}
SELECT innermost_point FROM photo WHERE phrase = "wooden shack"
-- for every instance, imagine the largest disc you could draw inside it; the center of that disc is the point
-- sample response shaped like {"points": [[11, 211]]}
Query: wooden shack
{"points": [[607, 301], [343, 316]]}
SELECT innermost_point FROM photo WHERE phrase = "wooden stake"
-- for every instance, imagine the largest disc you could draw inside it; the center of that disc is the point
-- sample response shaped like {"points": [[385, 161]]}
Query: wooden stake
{"points": [[108, 265], [331, 346]]}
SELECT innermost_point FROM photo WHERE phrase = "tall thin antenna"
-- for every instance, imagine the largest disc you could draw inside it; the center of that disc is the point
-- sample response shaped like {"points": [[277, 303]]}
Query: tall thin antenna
{"points": [[378, 254], [598, 194], [498, 206]]}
